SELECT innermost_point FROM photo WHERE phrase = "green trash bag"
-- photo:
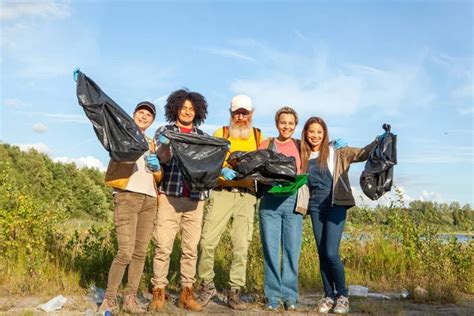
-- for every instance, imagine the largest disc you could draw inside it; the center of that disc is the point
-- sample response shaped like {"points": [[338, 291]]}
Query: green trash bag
{"points": [[291, 187]]}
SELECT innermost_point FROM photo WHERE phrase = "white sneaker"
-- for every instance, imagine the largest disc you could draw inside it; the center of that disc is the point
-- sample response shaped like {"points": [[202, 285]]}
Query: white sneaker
{"points": [[325, 305], [342, 305]]}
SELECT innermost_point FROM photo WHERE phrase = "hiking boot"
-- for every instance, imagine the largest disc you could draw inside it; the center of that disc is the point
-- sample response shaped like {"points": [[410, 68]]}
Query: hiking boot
{"points": [[158, 302], [342, 305], [206, 292], [325, 305], [131, 306], [187, 301], [233, 300], [108, 305]]}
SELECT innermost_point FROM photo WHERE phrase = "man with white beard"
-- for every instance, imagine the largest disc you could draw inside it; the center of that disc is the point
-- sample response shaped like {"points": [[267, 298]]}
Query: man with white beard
{"points": [[233, 200]]}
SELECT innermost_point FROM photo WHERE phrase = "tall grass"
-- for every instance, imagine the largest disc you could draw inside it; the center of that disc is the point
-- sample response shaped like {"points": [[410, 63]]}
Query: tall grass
{"points": [[42, 254]]}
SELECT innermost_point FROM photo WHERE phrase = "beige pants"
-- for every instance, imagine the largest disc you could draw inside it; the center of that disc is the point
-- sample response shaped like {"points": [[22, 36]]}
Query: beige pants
{"points": [[176, 214], [133, 217]]}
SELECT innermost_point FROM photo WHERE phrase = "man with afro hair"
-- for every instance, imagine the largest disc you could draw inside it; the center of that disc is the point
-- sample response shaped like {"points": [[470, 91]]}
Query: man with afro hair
{"points": [[179, 208]]}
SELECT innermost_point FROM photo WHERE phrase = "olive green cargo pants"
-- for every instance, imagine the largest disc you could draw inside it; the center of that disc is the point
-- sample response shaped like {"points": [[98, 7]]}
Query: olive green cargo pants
{"points": [[224, 206]]}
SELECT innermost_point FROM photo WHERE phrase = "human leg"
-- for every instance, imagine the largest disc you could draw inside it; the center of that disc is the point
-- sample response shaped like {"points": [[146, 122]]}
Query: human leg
{"points": [[270, 233], [292, 231]]}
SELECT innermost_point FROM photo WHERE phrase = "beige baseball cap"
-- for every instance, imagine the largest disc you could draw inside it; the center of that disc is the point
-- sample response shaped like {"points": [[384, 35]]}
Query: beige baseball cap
{"points": [[241, 101]]}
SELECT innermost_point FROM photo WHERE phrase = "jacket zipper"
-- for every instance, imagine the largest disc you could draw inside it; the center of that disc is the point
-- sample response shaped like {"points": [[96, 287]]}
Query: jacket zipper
{"points": [[344, 184]]}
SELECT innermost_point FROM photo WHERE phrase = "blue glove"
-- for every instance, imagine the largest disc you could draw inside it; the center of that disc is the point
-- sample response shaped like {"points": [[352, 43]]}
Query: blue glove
{"points": [[339, 143], [228, 173], [381, 137], [75, 74], [152, 162], [163, 140]]}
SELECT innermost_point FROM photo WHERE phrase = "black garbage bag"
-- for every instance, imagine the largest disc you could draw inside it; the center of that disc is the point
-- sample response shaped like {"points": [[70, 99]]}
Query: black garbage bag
{"points": [[266, 166], [200, 158], [377, 177], [115, 129]]}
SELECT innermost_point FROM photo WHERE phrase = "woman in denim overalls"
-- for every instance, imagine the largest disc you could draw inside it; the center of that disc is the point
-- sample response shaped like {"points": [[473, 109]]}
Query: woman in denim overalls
{"points": [[330, 197]]}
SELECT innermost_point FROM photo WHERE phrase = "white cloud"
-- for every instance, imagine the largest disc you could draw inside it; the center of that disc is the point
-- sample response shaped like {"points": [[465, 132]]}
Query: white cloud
{"points": [[312, 85], [39, 128], [40, 147], [81, 162], [35, 33], [229, 53], [14, 10], [397, 196], [16, 103], [465, 91], [430, 196], [62, 117]]}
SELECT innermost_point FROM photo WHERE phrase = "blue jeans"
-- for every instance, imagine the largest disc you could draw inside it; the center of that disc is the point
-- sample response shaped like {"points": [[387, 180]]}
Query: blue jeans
{"points": [[328, 224], [280, 227]]}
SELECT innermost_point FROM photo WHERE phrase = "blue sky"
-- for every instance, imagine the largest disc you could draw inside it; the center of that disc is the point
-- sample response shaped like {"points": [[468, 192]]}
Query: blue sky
{"points": [[358, 64]]}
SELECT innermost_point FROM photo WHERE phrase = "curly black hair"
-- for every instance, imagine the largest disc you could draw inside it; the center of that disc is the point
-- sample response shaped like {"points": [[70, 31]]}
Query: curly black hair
{"points": [[176, 100]]}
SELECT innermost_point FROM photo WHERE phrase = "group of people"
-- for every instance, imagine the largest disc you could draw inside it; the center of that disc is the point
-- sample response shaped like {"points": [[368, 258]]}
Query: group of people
{"points": [[151, 198]]}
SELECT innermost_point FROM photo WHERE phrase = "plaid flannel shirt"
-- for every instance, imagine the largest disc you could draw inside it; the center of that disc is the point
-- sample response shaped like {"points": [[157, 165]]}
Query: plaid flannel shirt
{"points": [[173, 182]]}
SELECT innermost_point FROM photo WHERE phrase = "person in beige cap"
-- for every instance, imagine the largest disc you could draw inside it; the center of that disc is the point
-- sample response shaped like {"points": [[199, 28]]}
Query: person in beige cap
{"points": [[232, 200]]}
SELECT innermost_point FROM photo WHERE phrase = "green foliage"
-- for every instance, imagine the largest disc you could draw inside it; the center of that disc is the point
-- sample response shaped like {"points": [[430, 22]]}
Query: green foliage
{"points": [[56, 233], [24, 226], [80, 193]]}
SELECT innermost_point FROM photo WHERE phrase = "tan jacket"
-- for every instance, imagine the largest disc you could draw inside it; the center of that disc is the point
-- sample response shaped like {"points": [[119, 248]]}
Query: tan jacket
{"points": [[341, 190], [118, 172]]}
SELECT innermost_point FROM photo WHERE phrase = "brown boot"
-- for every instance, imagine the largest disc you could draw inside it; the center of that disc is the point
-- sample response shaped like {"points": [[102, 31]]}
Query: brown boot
{"points": [[233, 300], [158, 302], [131, 306], [187, 301]]}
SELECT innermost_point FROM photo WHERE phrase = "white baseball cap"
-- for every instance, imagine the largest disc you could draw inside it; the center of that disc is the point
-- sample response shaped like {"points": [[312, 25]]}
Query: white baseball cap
{"points": [[241, 101]]}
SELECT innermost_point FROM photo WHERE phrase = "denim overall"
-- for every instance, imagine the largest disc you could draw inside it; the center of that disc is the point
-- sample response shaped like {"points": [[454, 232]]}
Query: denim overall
{"points": [[328, 223]]}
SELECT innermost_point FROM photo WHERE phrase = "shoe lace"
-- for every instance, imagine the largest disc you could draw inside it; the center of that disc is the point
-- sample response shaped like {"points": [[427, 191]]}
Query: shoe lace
{"points": [[132, 300], [206, 290], [342, 301], [110, 302], [327, 302]]}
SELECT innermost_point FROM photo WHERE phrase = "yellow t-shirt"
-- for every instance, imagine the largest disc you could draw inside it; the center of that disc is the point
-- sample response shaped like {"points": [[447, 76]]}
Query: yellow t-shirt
{"points": [[238, 144]]}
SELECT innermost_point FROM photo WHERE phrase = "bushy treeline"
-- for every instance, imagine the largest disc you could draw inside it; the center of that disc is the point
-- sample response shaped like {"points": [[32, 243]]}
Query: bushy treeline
{"points": [[80, 193], [446, 217]]}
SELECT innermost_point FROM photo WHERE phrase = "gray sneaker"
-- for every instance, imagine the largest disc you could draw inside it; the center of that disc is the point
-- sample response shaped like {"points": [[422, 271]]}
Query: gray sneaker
{"points": [[342, 305], [110, 305], [206, 292], [131, 306], [325, 305]]}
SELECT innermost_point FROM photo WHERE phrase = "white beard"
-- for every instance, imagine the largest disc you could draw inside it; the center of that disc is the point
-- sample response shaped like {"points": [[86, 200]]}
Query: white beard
{"points": [[242, 132]]}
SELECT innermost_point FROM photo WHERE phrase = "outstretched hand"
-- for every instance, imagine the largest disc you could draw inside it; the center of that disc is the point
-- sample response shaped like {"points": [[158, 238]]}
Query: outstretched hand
{"points": [[163, 140], [339, 143], [75, 74], [228, 173]]}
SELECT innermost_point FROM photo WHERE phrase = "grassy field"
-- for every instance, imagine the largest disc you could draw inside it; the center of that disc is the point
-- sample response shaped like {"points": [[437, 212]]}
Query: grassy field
{"points": [[50, 255]]}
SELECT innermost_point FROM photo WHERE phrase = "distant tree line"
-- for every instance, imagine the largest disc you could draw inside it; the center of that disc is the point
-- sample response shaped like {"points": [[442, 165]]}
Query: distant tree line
{"points": [[82, 193]]}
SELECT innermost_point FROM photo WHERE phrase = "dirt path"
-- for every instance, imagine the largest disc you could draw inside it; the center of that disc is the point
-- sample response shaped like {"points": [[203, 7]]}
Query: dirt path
{"points": [[78, 305]]}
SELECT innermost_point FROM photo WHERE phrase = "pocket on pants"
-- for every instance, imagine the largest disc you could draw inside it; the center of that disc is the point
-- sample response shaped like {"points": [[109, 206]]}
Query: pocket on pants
{"points": [[250, 222]]}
